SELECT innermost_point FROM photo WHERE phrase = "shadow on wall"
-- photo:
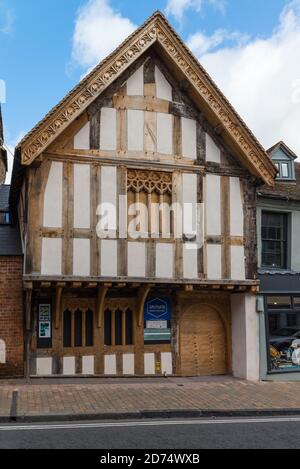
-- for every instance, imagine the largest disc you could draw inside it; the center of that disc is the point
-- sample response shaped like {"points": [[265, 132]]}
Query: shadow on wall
{"points": [[2, 351]]}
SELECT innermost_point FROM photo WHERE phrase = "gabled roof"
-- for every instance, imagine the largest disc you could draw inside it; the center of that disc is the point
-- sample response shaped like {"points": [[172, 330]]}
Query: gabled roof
{"points": [[283, 146], [156, 31]]}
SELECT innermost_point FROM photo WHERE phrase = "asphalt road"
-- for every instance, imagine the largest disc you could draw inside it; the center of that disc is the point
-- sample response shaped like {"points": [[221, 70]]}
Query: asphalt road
{"points": [[176, 434]]}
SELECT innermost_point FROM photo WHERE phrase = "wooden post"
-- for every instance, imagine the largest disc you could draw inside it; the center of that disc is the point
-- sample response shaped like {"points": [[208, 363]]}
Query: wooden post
{"points": [[58, 295]]}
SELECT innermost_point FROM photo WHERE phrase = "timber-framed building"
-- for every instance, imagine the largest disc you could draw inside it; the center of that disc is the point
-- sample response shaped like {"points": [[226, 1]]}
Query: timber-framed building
{"points": [[106, 296]]}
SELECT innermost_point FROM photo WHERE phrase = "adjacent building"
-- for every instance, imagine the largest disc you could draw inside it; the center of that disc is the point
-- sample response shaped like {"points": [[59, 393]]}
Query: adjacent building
{"points": [[278, 226], [11, 286]]}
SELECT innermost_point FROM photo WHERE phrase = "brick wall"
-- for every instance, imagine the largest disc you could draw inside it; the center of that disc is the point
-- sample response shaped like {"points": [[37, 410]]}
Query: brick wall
{"points": [[11, 315]]}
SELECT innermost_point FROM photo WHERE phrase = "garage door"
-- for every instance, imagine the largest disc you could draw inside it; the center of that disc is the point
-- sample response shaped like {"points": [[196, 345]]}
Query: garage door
{"points": [[202, 343]]}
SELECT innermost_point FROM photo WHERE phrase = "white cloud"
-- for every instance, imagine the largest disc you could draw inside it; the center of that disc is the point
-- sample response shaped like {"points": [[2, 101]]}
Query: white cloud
{"points": [[7, 19], [10, 145], [177, 8], [200, 43], [98, 31], [262, 78]]}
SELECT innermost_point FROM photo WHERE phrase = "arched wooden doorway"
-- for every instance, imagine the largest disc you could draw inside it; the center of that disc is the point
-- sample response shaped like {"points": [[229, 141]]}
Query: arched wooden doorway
{"points": [[203, 344]]}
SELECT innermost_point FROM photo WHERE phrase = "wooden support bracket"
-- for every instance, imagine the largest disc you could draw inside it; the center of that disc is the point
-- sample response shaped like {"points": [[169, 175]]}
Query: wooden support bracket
{"points": [[143, 293], [100, 304], [58, 295]]}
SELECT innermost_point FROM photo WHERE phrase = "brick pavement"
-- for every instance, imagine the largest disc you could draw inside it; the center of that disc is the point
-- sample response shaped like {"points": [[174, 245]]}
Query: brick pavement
{"points": [[92, 397]]}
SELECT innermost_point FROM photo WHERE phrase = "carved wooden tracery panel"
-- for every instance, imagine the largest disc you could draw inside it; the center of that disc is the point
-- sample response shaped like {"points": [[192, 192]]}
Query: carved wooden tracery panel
{"points": [[149, 197], [149, 181]]}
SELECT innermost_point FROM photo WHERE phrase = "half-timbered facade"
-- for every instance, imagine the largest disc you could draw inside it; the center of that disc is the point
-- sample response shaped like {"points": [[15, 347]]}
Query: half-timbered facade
{"points": [[137, 204]]}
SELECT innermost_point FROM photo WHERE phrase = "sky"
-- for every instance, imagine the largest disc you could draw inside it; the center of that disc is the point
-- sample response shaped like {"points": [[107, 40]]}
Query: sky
{"points": [[251, 48]]}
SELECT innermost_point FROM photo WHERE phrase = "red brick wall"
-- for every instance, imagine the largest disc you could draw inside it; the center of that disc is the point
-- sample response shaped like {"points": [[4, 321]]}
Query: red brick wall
{"points": [[11, 315]]}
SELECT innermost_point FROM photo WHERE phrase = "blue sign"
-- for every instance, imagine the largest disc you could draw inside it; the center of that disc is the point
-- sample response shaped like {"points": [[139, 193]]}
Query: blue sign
{"points": [[157, 309]]}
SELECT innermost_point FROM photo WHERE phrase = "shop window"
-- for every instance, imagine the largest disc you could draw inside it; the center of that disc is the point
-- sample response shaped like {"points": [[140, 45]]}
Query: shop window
{"points": [[78, 328], [274, 240], [283, 335], [118, 327]]}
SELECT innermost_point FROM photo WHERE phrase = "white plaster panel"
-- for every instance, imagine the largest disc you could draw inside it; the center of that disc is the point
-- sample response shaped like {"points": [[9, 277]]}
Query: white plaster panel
{"points": [[136, 259], [166, 363], [135, 125], [81, 257], [189, 138], [149, 364], [82, 138], [109, 184], [213, 204], [110, 365], [88, 367], [69, 365], [189, 201], [2, 351], [236, 208], [135, 83], [53, 197], [164, 133], [163, 87], [213, 153], [237, 262], [213, 259], [190, 261], [108, 190], [164, 260], [108, 129], [51, 256], [109, 258], [82, 182], [44, 366], [128, 363], [245, 337]]}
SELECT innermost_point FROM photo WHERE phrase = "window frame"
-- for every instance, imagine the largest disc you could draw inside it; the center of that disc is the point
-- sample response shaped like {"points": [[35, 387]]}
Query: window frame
{"points": [[84, 317], [122, 334], [284, 243]]}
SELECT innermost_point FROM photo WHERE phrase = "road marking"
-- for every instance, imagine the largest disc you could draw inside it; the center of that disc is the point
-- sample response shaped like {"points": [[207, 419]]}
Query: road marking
{"points": [[144, 423]]}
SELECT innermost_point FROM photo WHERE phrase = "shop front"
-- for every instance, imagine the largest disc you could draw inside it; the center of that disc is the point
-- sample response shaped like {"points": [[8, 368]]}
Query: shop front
{"points": [[279, 308], [142, 331]]}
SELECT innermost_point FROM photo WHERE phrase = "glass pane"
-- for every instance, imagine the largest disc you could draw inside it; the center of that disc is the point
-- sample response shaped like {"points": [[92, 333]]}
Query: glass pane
{"points": [[118, 327], [279, 302], [89, 328], [284, 170], [107, 327], [297, 302], [129, 324], [67, 328], [284, 341], [78, 329], [4, 218]]}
